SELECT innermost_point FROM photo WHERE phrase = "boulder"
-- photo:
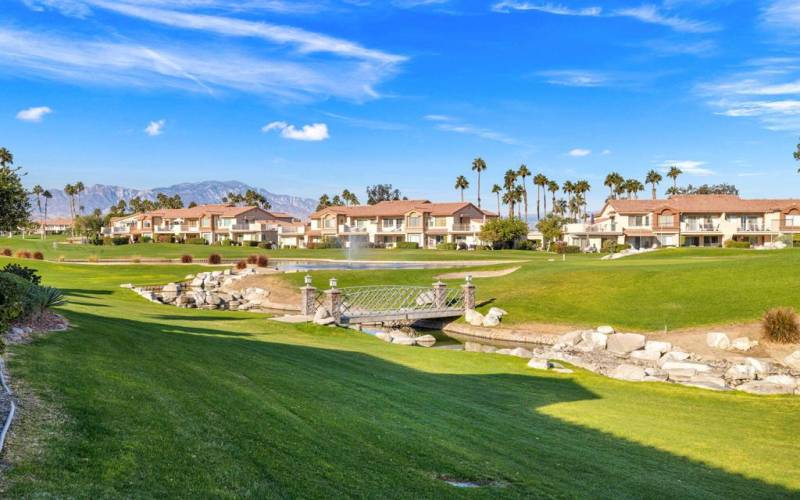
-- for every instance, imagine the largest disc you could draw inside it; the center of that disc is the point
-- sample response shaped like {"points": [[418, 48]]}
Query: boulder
{"points": [[673, 356], [496, 311], [782, 380], [718, 340], [657, 346], [386, 337], [607, 330], [473, 317], [402, 339], [680, 374], [490, 321], [624, 343], [594, 340], [324, 321], [521, 352], [171, 288], [213, 300], [764, 387], [632, 373], [473, 347], [740, 371], [569, 339], [426, 340], [321, 313], [743, 344], [488, 348], [706, 381], [197, 282], [539, 364], [645, 355], [761, 366], [793, 361], [126, 285], [685, 365], [505, 352]]}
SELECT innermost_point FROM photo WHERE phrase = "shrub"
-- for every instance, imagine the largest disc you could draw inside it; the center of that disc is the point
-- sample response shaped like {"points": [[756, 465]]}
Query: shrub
{"points": [[327, 242], [120, 240], [196, 241], [38, 255], [252, 243], [41, 298], [266, 245], [24, 254], [136, 260], [164, 238], [7, 252], [242, 264], [262, 261], [252, 259], [13, 298], [108, 240], [215, 258], [780, 325], [610, 246], [26, 273], [503, 232], [561, 247], [95, 240], [446, 246], [93, 258], [737, 244], [407, 244], [524, 245], [145, 239], [226, 243], [186, 259]]}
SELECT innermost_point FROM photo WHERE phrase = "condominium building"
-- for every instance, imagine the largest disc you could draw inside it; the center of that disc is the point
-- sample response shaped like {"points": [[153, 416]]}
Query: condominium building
{"points": [[692, 220], [58, 225], [211, 222], [388, 223]]}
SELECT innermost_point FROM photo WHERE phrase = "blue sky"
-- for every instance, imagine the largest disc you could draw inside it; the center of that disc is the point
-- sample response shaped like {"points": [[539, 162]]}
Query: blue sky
{"points": [[308, 97]]}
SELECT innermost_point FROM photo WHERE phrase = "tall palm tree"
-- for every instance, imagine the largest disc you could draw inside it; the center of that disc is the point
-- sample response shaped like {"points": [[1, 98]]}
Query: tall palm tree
{"points": [[523, 172], [519, 195], [509, 198], [581, 188], [69, 190], [6, 158], [79, 188], [560, 206], [496, 189], [47, 195], [673, 174], [478, 166], [509, 179], [653, 178], [797, 155], [553, 187], [540, 181], [632, 187], [462, 183], [38, 191], [568, 187], [611, 182]]}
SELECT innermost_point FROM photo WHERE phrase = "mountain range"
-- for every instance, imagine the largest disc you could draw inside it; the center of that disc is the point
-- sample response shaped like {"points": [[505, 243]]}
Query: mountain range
{"points": [[103, 197]]}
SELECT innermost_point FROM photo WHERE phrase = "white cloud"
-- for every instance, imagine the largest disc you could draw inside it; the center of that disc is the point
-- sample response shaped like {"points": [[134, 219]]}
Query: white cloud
{"points": [[649, 14], [690, 167], [606, 152], [579, 152], [313, 132], [576, 78], [784, 13], [155, 128], [34, 114], [439, 118], [483, 133]]}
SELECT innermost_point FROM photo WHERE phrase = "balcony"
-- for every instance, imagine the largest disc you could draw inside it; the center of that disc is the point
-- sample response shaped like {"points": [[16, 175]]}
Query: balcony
{"points": [[390, 229], [701, 227], [464, 228], [666, 227], [348, 229], [176, 228], [604, 228], [785, 226], [753, 228]]}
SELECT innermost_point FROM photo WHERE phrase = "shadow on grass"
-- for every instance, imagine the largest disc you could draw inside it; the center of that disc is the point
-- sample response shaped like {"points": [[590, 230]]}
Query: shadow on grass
{"points": [[185, 415], [85, 293], [178, 317]]}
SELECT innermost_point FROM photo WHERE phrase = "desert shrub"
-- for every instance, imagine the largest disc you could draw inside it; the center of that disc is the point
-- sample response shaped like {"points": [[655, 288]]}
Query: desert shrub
{"points": [[41, 298], [266, 245], [226, 243], [561, 247], [13, 298], [327, 242], [780, 325], [120, 240], [136, 260], [262, 261], [215, 258], [24, 254], [737, 244], [524, 245], [252, 243], [145, 239], [108, 240], [196, 241], [164, 238], [186, 259], [252, 259], [26, 273], [408, 245], [7, 252], [610, 246], [242, 264], [93, 258], [38, 255], [95, 240], [446, 246]]}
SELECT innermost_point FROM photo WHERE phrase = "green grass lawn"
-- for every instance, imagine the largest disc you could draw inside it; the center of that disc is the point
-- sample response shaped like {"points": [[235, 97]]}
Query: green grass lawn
{"points": [[142, 400], [55, 247]]}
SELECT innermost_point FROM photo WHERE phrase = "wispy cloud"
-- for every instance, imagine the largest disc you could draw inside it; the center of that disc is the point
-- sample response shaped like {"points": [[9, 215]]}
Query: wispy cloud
{"points": [[448, 123], [366, 122], [155, 128], [577, 78], [439, 118], [82, 8], [690, 167], [313, 132], [649, 14], [35, 114], [782, 13], [579, 152]]}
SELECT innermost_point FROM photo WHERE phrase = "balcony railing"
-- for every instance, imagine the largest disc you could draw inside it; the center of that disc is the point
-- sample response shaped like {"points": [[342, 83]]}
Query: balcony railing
{"points": [[464, 228], [346, 228], [752, 228], [176, 228], [701, 227], [666, 227], [390, 229], [602, 228]]}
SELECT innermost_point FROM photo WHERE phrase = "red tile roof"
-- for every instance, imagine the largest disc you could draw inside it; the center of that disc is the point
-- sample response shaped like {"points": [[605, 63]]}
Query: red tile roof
{"points": [[399, 208], [703, 203]]}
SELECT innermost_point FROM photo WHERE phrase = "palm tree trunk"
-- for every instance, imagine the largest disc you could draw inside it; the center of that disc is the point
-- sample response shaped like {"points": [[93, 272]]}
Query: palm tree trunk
{"points": [[44, 227], [462, 195], [544, 201], [654, 190], [538, 215], [498, 204], [479, 189], [525, 196]]}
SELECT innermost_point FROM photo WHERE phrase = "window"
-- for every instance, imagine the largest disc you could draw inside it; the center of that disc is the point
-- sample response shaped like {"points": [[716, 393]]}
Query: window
{"points": [[793, 220], [329, 223], [225, 222], [438, 222], [361, 223], [415, 221], [665, 220], [638, 220]]}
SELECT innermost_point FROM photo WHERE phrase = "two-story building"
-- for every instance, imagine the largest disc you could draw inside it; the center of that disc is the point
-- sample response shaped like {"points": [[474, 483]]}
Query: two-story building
{"points": [[690, 220], [211, 222], [388, 223]]}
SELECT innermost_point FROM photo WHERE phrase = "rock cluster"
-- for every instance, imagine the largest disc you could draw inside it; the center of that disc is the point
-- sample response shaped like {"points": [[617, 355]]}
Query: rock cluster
{"points": [[209, 290], [402, 338], [491, 319], [719, 340], [631, 357]]}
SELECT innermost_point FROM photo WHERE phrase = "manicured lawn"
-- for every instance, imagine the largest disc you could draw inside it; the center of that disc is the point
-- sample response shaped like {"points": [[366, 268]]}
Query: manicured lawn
{"points": [[142, 400], [671, 288], [55, 247]]}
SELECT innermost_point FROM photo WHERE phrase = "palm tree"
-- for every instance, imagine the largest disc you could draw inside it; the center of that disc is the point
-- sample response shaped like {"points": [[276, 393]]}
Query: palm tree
{"points": [[79, 188], [653, 178], [38, 191], [509, 199], [553, 187], [69, 190], [797, 155], [496, 189], [611, 182], [673, 174], [523, 172], [462, 183], [581, 188], [478, 165], [632, 187], [519, 195], [568, 187], [6, 158], [560, 206], [346, 194], [541, 181], [509, 179], [47, 195]]}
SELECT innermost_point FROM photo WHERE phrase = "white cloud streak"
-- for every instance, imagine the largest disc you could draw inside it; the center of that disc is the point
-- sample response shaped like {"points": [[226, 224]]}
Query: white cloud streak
{"points": [[690, 167], [155, 128], [483, 133], [35, 114], [579, 152], [313, 132]]}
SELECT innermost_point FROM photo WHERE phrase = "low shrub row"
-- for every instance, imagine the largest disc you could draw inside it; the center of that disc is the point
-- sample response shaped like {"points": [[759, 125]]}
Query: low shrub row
{"points": [[561, 247], [737, 244], [413, 245], [22, 296], [24, 254]]}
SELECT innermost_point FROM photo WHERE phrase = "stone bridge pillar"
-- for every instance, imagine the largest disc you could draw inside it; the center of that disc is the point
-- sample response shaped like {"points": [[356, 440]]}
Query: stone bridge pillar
{"points": [[335, 301], [439, 295], [308, 298], [469, 294]]}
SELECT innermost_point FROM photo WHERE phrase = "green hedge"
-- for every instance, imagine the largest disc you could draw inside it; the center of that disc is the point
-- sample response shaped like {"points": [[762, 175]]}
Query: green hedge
{"points": [[14, 301], [446, 246], [408, 244], [737, 244], [196, 241]]}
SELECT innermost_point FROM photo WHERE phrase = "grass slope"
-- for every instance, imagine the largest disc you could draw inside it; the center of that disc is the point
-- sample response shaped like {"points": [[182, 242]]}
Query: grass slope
{"points": [[159, 401]]}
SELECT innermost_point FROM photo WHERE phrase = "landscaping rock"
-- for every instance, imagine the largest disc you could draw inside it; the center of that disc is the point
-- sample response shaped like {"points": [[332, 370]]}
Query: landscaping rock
{"points": [[473, 347], [490, 321], [685, 365], [425, 298], [632, 373], [645, 355], [743, 344], [570, 339], [657, 346], [706, 381], [764, 387], [505, 352], [521, 352], [403, 340], [718, 340], [322, 317], [594, 340], [386, 337], [539, 364], [473, 317], [793, 361], [740, 371], [426, 341], [607, 330], [680, 374], [624, 343], [673, 356], [496, 311], [782, 380], [761, 366]]}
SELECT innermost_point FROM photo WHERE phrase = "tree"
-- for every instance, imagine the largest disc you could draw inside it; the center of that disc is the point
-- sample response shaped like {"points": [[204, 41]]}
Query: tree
{"points": [[79, 188], [324, 202], [551, 228], [653, 178], [553, 187], [569, 188], [337, 201], [540, 181], [14, 203], [496, 189], [478, 166], [47, 195], [707, 189], [69, 190], [349, 197], [382, 192], [90, 225], [253, 198], [633, 187], [509, 199], [519, 195], [523, 172], [38, 191], [797, 155], [611, 182], [502, 233], [462, 183], [581, 188], [118, 210], [673, 174], [164, 201], [560, 207]]}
